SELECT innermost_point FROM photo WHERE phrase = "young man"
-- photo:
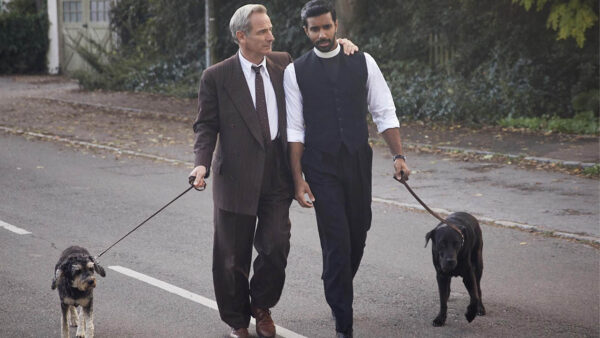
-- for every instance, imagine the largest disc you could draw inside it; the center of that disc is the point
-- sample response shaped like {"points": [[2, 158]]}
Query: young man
{"points": [[328, 95], [241, 100]]}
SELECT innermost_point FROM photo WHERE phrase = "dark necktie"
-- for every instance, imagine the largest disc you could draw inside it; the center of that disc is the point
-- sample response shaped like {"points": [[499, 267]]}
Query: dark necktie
{"points": [[261, 103]]}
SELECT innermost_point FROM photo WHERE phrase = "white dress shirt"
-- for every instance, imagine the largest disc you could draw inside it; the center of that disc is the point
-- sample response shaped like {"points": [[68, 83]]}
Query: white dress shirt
{"points": [[379, 98], [270, 97]]}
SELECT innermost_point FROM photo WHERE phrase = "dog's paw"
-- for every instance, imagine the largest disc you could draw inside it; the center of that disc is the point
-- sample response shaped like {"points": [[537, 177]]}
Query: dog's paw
{"points": [[471, 313], [439, 321], [481, 310]]}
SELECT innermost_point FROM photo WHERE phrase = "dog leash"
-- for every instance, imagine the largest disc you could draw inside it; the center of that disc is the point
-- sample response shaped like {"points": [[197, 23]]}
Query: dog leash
{"points": [[433, 213], [190, 180]]}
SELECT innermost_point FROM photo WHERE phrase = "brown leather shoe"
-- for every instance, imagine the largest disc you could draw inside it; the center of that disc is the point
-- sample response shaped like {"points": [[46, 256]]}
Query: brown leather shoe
{"points": [[239, 333], [265, 328]]}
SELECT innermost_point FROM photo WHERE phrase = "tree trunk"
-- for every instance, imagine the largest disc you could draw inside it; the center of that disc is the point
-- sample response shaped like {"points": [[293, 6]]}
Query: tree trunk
{"points": [[349, 14]]}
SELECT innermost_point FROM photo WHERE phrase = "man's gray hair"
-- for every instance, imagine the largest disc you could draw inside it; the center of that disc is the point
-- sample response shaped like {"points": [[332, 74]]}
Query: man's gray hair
{"points": [[240, 21]]}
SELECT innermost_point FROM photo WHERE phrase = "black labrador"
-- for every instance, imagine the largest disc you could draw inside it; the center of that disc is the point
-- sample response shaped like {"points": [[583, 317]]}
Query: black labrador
{"points": [[456, 248]]}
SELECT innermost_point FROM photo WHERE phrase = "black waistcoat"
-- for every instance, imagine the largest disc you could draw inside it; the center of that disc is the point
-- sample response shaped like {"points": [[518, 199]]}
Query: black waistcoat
{"points": [[334, 101]]}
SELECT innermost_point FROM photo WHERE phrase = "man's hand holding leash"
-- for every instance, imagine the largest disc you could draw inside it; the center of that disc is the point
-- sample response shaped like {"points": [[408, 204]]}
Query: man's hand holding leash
{"points": [[199, 172], [401, 170]]}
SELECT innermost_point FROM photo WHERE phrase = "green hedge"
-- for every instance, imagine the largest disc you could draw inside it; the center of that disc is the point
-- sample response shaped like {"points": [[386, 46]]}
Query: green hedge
{"points": [[505, 62], [23, 42]]}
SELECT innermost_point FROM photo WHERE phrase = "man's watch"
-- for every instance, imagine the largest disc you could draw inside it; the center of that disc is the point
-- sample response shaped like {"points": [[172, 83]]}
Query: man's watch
{"points": [[399, 156]]}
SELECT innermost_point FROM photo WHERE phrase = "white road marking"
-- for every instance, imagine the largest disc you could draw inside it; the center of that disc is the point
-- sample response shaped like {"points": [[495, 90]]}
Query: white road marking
{"points": [[281, 331], [14, 229]]}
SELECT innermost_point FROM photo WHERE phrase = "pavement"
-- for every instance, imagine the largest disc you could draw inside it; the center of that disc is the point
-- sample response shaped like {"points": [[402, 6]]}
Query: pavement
{"points": [[509, 178]]}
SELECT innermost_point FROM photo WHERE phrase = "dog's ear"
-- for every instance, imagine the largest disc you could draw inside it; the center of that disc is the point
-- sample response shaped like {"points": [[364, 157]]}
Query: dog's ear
{"points": [[429, 236], [56, 279], [98, 268], [65, 267]]}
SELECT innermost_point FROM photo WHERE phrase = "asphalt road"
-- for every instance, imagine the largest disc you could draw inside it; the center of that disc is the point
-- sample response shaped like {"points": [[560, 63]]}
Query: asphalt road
{"points": [[532, 285]]}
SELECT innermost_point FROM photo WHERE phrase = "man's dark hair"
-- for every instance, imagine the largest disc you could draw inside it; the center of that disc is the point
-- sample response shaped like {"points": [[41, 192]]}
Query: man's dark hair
{"points": [[315, 8]]}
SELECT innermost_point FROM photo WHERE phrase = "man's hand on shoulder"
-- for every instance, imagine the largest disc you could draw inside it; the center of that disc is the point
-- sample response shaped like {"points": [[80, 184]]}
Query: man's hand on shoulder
{"points": [[348, 47]]}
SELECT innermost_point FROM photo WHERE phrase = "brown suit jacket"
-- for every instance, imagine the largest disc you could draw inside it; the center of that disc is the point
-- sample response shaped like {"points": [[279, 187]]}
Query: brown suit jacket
{"points": [[225, 109]]}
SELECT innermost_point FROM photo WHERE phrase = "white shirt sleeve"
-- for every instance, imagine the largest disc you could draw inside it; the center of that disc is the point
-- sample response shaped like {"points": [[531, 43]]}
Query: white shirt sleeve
{"points": [[293, 104], [379, 98]]}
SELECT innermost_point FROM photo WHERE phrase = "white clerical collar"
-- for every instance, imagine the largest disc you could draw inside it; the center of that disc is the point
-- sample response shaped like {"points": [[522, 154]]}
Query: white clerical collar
{"points": [[327, 55], [247, 64]]}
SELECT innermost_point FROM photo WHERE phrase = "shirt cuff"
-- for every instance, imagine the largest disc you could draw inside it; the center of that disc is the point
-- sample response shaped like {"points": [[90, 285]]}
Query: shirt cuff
{"points": [[295, 135]]}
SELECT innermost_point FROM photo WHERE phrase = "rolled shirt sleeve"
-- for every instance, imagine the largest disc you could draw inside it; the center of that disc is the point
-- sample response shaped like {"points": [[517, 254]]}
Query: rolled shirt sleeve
{"points": [[379, 98], [293, 103]]}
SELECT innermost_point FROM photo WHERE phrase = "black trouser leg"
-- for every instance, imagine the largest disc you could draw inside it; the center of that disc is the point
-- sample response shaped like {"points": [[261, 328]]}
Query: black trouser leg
{"points": [[356, 174], [334, 233], [342, 189]]}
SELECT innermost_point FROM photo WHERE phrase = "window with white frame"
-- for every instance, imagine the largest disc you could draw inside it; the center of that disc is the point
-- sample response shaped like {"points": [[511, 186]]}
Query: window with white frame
{"points": [[99, 10], [71, 11]]}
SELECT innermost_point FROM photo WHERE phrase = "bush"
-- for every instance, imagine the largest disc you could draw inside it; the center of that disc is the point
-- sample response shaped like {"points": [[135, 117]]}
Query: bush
{"points": [[161, 46], [504, 62], [23, 38], [581, 123]]}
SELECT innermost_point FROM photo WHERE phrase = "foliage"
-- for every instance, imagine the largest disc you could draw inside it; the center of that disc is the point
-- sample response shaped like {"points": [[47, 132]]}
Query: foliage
{"points": [[593, 171], [581, 123], [23, 38], [161, 46], [159, 49], [287, 26], [571, 18], [135, 73], [503, 62]]}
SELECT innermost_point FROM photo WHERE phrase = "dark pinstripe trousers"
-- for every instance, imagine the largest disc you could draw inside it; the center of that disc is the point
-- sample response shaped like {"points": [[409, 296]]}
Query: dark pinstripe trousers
{"points": [[269, 233]]}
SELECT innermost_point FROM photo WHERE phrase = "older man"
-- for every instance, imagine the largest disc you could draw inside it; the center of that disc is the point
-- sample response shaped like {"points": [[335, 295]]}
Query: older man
{"points": [[242, 100]]}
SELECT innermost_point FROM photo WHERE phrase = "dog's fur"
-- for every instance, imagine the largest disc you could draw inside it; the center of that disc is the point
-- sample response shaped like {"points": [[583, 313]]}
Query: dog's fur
{"points": [[455, 256], [74, 278]]}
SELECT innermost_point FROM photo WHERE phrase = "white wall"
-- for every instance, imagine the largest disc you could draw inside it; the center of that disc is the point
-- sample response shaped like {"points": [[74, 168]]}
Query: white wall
{"points": [[53, 57], [3, 4]]}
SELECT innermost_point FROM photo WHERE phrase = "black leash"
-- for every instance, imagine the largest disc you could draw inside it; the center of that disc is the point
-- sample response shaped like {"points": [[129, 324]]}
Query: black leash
{"points": [[191, 181], [433, 213]]}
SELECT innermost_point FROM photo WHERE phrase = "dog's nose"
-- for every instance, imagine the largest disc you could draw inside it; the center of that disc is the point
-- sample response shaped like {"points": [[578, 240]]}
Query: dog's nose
{"points": [[91, 282], [449, 264]]}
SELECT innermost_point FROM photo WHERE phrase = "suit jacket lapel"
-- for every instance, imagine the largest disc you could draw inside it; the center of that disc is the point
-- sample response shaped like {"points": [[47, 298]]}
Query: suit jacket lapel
{"points": [[239, 93]]}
